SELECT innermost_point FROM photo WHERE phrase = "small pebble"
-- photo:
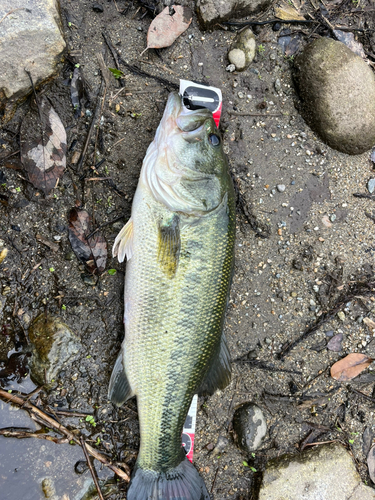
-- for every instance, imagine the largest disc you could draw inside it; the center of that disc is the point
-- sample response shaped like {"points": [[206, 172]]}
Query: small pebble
{"points": [[277, 85], [231, 68], [97, 7], [371, 185], [241, 95], [221, 444], [341, 315], [280, 188], [332, 218]]}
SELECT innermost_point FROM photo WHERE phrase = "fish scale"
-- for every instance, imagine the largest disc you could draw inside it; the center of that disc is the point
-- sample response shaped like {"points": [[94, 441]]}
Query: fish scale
{"points": [[176, 290]]}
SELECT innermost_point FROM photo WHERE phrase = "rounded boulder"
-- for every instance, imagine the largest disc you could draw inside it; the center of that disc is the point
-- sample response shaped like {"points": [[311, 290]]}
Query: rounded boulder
{"points": [[337, 92]]}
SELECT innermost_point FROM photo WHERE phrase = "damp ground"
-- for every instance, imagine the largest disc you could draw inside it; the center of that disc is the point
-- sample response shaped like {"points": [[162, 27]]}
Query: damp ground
{"points": [[304, 242]]}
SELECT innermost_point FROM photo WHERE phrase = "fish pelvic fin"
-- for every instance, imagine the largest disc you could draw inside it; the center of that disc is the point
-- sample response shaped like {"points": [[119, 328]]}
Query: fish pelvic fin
{"points": [[119, 387], [123, 246], [181, 483], [218, 376]]}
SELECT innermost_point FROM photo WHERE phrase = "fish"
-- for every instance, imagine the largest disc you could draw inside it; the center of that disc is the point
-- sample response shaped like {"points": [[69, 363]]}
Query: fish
{"points": [[179, 246]]}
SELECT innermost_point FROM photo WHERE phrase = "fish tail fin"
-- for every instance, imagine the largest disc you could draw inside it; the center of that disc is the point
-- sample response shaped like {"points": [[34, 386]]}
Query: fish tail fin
{"points": [[180, 483]]}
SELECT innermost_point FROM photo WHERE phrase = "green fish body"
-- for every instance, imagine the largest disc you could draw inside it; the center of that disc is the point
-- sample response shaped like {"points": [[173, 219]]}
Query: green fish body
{"points": [[179, 245]]}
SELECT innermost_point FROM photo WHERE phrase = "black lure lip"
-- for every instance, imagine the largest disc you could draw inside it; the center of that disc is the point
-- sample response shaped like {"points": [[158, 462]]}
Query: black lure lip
{"points": [[199, 98]]}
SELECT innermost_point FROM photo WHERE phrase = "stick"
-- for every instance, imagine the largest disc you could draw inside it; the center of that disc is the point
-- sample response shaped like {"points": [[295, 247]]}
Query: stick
{"points": [[40, 416], [14, 10], [271, 21], [91, 469], [233, 113], [87, 142]]}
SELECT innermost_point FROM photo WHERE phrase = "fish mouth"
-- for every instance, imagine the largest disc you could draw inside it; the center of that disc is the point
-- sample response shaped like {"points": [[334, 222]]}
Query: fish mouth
{"points": [[177, 118]]}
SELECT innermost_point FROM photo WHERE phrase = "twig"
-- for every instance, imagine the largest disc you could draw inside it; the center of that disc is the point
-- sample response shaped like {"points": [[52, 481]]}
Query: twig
{"points": [[233, 113], [14, 10], [13, 167], [364, 195], [83, 444], [118, 59], [263, 366], [68, 413], [42, 124], [369, 398], [270, 21], [320, 442], [103, 225], [360, 288], [92, 179], [93, 121], [117, 142], [213, 482], [29, 434], [41, 417]]}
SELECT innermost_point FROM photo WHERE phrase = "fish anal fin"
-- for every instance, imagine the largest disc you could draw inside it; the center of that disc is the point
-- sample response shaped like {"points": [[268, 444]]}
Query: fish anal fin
{"points": [[119, 387], [219, 373], [169, 245], [123, 245]]}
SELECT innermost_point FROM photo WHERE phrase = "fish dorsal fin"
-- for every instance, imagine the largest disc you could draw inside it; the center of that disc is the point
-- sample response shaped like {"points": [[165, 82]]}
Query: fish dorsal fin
{"points": [[119, 388], [123, 245], [169, 244], [218, 376]]}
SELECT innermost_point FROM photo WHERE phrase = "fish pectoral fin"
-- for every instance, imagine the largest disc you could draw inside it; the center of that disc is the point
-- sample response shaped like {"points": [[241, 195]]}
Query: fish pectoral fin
{"points": [[119, 387], [123, 245], [169, 244], [218, 376]]}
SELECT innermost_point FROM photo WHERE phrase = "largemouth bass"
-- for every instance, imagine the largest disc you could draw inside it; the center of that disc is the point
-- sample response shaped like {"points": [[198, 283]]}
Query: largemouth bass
{"points": [[179, 244]]}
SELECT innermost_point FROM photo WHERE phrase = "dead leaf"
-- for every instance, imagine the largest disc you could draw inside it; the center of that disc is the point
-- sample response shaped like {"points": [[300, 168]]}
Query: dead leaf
{"points": [[288, 12], [371, 463], [349, 367], [368, 322], [349, 40], [43, 146], [335, 343], [165, 28], [92, 251]]}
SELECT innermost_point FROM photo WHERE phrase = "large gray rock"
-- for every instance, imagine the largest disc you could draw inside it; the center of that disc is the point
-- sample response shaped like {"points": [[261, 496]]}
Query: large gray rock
{"points": [[53, 345], [324, 473], [337, 91], [30, 38], [211, 12]]}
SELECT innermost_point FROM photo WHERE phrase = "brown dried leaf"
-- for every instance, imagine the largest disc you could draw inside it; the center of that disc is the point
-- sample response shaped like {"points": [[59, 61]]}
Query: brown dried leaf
{"points": [[288, 12], [43, 146], [349, 367], [165, 28], [93, 251], [349, 40]]}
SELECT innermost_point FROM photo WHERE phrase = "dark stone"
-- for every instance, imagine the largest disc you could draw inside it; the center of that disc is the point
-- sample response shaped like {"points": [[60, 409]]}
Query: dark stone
{"points": [[97, 7], [249, 426]]}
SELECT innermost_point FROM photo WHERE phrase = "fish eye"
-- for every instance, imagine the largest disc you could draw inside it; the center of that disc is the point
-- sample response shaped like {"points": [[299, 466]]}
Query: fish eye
{"points": [[214, 139]]}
